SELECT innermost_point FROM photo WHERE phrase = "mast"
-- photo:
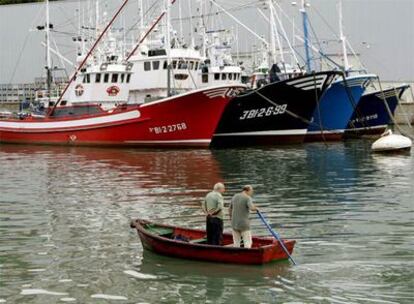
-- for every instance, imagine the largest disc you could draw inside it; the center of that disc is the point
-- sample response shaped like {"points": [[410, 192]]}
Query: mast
{"points": [[272, 34], [97, 18], [141, 15], [343, 38], [181, 23], [48, 59], [191, 24], [276, 30], [168, 44], [306, 35], [203, 31]]}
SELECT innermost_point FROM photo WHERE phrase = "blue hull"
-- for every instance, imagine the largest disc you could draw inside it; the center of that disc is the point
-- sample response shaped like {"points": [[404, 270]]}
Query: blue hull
{"points": [[336, 107], [371, 115]]}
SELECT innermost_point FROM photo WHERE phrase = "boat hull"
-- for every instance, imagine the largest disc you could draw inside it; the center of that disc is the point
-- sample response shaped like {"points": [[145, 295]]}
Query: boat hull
{"points": [[277, 113], [371, 116], [336, 107], [220, 254], [187, 120]]}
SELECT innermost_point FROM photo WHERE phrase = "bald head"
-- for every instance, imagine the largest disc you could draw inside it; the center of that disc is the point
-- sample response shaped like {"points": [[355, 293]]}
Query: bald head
{"points": [[219, 187], [248, 189]]}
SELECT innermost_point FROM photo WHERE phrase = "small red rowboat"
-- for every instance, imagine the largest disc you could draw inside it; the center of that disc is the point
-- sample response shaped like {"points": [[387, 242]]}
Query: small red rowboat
{"points": [[191, 244]]}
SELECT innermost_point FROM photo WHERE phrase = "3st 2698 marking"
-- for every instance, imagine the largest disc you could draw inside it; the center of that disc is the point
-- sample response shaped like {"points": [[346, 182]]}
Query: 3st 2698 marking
{"points": [[264, 112]]}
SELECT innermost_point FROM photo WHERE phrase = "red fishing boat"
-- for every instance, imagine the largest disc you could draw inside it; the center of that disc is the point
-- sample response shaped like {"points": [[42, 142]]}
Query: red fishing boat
{"points": [[191, 244], [95, 107], [188, 119]]}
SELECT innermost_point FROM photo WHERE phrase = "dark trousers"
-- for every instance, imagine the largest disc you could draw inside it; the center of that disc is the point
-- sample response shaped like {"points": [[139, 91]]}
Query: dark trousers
{"points": [[214, 230]]}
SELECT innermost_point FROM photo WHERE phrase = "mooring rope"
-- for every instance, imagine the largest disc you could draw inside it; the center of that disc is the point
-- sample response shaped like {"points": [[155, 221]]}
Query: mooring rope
{"points": [[303, 119]]}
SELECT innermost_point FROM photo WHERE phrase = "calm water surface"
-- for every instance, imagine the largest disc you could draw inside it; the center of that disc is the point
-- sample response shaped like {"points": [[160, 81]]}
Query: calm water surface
{"points": [[65, 236]]}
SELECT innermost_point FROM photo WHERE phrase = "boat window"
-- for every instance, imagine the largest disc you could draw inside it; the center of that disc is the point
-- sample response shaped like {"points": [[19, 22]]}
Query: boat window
{"points": [[98, 78], [122, 77], [235, 76], [128, 78], [147, 66], [174, 64], [159, 52], [106, 78], [88, 78], [230, 76], [191, 65], [114, 78], [181, 76], [223, 76], [182, 65], [155, 65], [217, 76], [204, 78], [84, 79], [165, 65], [196, 65]]}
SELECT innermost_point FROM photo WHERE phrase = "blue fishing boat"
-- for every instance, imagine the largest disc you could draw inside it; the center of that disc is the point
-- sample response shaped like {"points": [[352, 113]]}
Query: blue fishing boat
{"points": [[371, 115], [334, 111]]}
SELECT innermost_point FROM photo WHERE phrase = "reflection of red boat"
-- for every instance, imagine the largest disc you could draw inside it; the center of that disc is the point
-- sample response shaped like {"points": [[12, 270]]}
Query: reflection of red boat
{"points": [[187, 169], [190, 244], [188, 119]]}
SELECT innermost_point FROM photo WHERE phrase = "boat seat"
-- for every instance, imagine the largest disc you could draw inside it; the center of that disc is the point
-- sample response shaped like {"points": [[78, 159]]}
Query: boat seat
{"points": [[197, 241], [159, 230]]}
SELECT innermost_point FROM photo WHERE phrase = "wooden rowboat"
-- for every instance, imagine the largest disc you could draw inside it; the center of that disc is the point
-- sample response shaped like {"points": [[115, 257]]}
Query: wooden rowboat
{"points": [[191, 244]]}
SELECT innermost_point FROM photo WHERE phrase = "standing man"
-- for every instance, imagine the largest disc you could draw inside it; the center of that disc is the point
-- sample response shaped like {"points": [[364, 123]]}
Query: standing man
{"points": [[213, 207], [240, 207]]}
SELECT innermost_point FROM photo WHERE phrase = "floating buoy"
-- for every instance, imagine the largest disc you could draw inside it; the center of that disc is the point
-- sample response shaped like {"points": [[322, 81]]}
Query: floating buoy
{"points": [[390, 142]]}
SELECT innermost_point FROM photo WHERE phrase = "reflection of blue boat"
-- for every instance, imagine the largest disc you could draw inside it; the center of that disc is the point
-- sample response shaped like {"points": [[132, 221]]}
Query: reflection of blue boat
{"points": [[336, 107], [371, 115]]}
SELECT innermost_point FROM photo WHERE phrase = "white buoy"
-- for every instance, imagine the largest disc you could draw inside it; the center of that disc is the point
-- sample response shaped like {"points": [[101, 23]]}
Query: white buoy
{"points": [[390, 142]]}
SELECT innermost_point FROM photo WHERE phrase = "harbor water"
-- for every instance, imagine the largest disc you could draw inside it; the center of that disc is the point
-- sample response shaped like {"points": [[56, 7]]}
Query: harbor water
{"points": [[65, 213]]}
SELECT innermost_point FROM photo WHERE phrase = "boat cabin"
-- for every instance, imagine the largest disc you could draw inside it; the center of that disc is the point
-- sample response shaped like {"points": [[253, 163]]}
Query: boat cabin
{"points": [[106, 84], [149, 80]]}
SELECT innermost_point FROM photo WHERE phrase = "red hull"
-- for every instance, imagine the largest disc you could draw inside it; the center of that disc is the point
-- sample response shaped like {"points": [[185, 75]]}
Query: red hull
{"points": [[186, 120], [264, 250]]}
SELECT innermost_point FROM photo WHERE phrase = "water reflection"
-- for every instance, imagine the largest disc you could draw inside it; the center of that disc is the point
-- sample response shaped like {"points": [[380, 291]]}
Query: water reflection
{"points": [[64, 223]]}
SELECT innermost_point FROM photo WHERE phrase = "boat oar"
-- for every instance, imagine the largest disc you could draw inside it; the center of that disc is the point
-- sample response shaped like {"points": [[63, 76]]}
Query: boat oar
{"points": [[276, 236]]}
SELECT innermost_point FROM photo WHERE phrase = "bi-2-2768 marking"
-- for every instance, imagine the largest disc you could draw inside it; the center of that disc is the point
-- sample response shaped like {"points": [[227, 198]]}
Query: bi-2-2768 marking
{"points": [[169, 128], [263, 112]]}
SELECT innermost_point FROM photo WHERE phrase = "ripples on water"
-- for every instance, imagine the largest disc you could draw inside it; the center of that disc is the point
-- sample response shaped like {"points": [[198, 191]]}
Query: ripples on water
{"points": [[64, 233]]}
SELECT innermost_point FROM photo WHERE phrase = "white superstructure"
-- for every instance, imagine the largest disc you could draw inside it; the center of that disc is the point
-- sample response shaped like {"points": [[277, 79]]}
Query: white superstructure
{"points": [[219, 67]]}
